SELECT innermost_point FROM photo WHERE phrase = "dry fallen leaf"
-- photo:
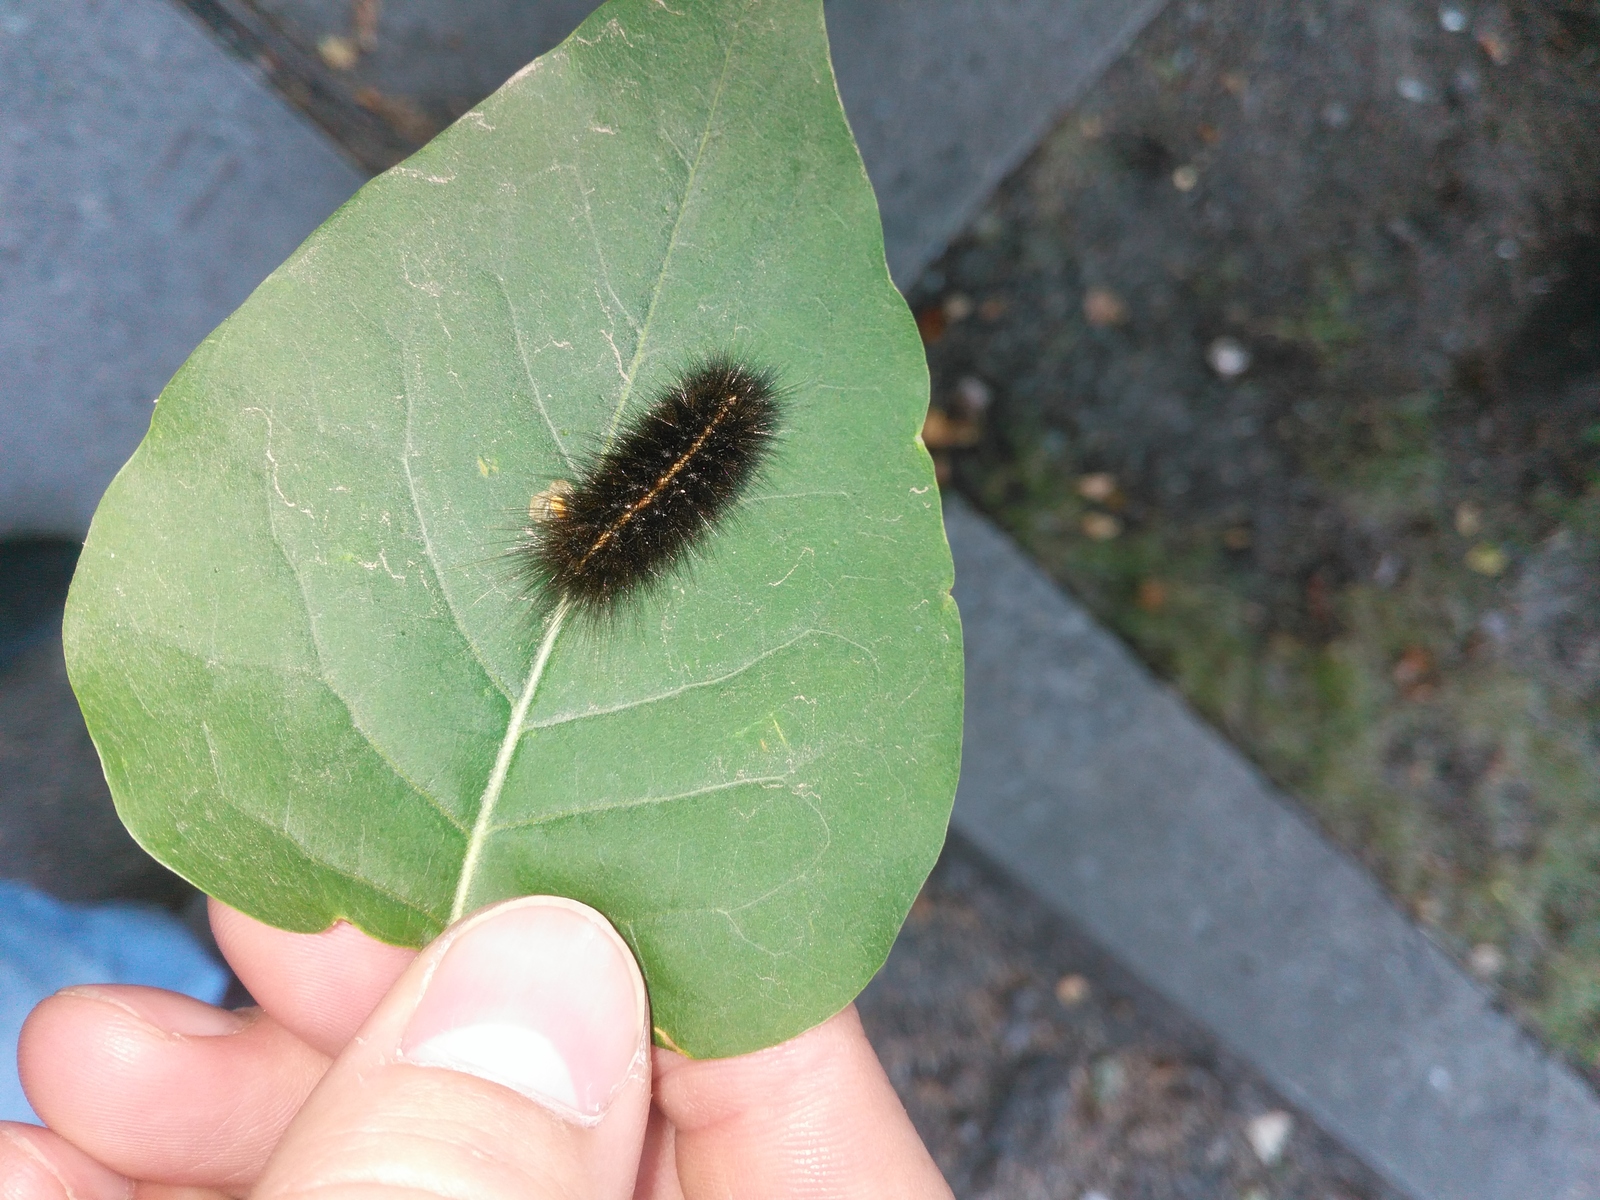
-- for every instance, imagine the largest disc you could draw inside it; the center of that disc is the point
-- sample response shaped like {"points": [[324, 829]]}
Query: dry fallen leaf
{"points": [[1103, 308], [400, 114], [940, 431], [364, 20], [1101, 527], [1072, 989], [1486, 559], [340, 53]]}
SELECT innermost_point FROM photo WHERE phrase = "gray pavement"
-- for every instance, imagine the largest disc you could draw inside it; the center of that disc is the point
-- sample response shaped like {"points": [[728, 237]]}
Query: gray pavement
{"points": [[946, 98], [1102, 792], [144, 199], [148, 182]]}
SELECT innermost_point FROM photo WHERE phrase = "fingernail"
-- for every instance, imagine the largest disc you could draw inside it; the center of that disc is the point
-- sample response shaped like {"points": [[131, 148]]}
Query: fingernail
{"points": [[541, 996], [166, 1013]]}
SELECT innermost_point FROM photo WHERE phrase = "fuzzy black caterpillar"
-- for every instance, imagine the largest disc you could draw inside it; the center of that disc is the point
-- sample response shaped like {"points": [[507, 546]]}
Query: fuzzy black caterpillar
{"points": [[647, 503]]}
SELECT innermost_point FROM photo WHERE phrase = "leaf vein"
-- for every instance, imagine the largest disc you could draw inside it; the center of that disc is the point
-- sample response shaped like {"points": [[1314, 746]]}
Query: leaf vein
{"points": [[671, 693], [641, 802], [433, 558], [305, 851]]}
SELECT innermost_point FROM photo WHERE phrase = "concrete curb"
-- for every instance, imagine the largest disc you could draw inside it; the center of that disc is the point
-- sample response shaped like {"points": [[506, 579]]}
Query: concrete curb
{"points": [[1097, 787]]}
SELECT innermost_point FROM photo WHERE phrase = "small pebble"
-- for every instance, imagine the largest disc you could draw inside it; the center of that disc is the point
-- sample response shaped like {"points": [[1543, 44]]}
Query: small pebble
{"points": [[1469, 519], [1185, 178], [1228, 357], [1109, 1077], [1335, 115], [1269, 1134], [1095, 1195], [973, 395], [1452, 19], [1098, 486], [1486, 961], [958, 306], [1413, 89], [1507, 249], [1439, 1079], [1495, 626]]}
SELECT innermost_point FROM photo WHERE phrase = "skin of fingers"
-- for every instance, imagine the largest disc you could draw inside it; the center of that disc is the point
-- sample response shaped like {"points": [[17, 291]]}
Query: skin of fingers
{"points": [[814, 1117], [320, 986], [510, 1060], [322, 1002], [658, 1169], [730, 1113], [36, 1164], [154, 1111], [163, 1088]]}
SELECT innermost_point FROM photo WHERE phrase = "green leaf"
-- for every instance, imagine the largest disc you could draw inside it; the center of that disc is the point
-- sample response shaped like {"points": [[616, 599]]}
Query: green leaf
{"points": [[293, 632]]}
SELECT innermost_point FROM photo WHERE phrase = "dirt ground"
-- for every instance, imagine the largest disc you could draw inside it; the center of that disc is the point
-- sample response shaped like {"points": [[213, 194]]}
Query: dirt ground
{"points": [[1283, 353], [1036, 1069]]}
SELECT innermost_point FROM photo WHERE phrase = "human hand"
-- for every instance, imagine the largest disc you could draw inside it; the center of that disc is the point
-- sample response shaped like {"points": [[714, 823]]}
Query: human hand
{"points": [[509, 1059]]}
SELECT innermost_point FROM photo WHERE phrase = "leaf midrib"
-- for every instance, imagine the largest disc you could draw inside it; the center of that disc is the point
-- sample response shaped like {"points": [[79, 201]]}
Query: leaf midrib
{"points": [[483, 822]]}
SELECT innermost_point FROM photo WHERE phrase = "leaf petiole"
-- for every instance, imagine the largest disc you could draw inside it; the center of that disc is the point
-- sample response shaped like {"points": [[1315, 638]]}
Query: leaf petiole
{"points": [[502, 763]]}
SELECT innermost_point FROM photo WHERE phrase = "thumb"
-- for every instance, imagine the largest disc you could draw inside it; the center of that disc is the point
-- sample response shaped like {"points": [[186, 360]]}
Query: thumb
{"points": [[510, 1060]]}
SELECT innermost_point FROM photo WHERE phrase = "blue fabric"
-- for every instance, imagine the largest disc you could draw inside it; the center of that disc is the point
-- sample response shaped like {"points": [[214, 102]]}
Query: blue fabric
{"points": [[46, 945]]}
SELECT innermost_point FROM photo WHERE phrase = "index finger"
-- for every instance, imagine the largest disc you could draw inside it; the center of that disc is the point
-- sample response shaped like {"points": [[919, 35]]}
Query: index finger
{"points": [[319, 986]]}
